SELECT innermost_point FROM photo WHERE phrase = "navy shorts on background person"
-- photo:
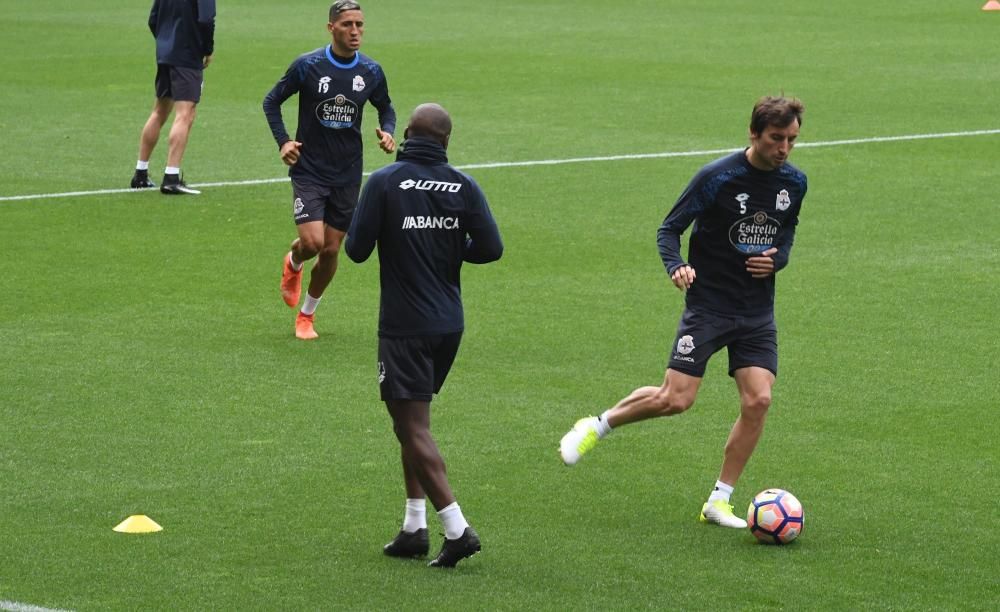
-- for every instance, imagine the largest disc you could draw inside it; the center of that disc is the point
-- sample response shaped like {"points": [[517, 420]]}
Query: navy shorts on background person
{"points": [[178, 84], [332, 205], [751, 341], [415, 367]]}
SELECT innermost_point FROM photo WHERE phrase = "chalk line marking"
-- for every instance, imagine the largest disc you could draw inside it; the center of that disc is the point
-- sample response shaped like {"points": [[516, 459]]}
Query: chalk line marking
{"points": [[549, 162]]}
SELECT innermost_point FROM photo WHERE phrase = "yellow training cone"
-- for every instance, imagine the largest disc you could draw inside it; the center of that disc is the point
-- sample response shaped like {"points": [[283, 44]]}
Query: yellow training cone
{"points": [[138, 523]]}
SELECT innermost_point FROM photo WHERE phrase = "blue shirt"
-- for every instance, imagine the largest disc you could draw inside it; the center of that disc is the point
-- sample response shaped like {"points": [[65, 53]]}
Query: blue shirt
{"points": [[738, 211], [426, 218], [332, 95]]}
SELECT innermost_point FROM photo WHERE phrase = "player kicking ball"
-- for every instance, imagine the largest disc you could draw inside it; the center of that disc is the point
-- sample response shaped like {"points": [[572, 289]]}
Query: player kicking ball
{"points": [[744, 207]]}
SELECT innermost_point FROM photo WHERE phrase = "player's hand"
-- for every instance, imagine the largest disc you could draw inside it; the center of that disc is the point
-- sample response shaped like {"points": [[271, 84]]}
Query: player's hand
{"points": [[761, 266], [290, 152], [205, 61], [385, 140], [683, 277]]}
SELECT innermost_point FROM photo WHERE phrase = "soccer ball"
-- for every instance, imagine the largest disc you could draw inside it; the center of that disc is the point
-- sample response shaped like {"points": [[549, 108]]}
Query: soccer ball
{"points": [[775, 516]]}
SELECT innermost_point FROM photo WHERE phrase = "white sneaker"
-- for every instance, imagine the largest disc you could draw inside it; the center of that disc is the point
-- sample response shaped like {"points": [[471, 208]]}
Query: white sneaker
{"points": [[721, 513], [579, 440]]}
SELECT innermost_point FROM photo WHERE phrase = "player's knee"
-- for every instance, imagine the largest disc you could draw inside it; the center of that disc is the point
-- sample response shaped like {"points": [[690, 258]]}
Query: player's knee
{"points": [[756, 405], [668, 403], [309, 247]]}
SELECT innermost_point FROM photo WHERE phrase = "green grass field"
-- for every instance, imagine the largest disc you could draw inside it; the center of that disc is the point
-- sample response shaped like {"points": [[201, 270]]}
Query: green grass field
{"points": [[147, 363]]}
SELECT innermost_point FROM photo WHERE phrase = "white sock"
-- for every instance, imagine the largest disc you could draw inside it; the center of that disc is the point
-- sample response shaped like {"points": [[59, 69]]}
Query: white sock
{"points": [[453, 521], [310, 304], [603, 427], [142, 165], [416, 515], [291, 259], [722, 491], [172, 170]]}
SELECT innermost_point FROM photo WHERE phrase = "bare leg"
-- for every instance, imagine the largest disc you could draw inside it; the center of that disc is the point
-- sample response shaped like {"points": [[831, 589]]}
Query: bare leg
{"points": [[412, 482], [184, 113], [675, 396], [151, 131], [326, 263], [411, 422], [754, 385]]}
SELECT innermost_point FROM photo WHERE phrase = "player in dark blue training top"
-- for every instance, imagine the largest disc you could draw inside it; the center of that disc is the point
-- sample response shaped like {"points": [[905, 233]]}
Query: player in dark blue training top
{"points": [[333, 83], [744, 207], [426, 218], [185, 40]]}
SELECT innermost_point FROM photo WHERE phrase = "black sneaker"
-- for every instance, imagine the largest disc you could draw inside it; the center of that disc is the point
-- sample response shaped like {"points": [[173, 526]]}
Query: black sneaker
{"points": [[408, 545], [173, 184], [140, 180], [453, 551]]}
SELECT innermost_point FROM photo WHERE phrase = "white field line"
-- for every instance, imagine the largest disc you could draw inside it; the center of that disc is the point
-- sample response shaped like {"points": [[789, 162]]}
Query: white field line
{"points": [[16, 606], [550, 162]]}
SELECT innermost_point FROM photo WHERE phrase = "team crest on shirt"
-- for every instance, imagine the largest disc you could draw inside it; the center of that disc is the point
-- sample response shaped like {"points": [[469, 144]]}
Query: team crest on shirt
{"points": [[359, 83], [783, 201]]}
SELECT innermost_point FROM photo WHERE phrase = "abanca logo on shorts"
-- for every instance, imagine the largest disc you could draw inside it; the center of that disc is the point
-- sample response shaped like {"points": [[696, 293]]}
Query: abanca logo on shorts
{"points": [[430, 186]]}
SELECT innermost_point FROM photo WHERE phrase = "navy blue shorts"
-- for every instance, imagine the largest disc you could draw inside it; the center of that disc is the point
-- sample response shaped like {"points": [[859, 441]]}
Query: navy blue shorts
{"points": [[179, 84], [751, 341], [415, 367], [331, 205]]}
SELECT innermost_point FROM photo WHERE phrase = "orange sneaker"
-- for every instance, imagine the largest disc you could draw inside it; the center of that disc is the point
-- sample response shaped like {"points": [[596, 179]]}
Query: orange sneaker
{"points": [[291, 283], [304, 327]]}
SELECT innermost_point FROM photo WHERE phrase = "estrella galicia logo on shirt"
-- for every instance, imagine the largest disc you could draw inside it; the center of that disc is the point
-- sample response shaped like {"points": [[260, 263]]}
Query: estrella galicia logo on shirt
{"points": [[337, 112], [783, 201], [359, 83], [754, 234]]}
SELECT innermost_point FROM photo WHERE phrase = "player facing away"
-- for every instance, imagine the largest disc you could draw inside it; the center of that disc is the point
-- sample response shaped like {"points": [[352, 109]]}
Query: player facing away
{"points": [[426, 218], [744, 207], [185, 40], [325, 158]]}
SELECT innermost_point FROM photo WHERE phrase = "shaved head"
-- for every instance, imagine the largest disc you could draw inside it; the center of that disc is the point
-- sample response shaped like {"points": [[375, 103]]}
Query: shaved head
{"points": [[431, 121]]}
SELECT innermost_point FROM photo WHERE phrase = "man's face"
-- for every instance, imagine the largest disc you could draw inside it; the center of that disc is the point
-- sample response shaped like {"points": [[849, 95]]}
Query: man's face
{"points": [[346, 32], [770, 149]]}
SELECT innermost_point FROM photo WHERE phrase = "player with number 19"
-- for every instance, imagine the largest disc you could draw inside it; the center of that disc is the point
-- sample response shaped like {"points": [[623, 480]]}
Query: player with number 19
{"points": [[333, 84]]}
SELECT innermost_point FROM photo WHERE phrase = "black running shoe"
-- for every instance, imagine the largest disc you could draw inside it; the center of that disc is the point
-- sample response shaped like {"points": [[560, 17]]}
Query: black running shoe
{"points": [[408, 545], [453, 551], [173, 184], [140, 180]]}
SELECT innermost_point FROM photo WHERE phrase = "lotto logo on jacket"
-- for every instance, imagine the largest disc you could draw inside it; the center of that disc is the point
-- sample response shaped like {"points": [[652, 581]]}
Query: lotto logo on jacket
{"points": [[430, 222], [424, 185]]}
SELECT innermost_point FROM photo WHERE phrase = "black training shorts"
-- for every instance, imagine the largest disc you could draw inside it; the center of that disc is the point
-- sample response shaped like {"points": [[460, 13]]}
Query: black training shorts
{"points": [[332, 205], [414, 367], [179, 84], [751, 341]]}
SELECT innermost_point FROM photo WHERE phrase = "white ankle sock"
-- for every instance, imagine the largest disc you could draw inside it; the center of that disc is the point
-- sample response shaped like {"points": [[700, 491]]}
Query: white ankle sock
{"points": [[142, 165], [722, 491], [416, 515], [172, 170], [310, 304], [603, 427], [453, 521]]}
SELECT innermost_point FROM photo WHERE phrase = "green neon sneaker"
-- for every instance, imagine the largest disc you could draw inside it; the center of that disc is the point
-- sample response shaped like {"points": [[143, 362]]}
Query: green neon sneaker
{"points": [[721, 513], [579, 440]]}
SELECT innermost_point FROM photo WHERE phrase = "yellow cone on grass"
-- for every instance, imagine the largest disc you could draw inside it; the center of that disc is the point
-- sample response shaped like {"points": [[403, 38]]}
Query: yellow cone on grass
{"points": [[138, 523]]}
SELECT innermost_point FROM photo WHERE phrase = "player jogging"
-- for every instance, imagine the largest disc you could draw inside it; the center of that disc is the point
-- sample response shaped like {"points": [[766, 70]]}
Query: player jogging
{"points": [[325, 158], [744, 207], [426, 218]]}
